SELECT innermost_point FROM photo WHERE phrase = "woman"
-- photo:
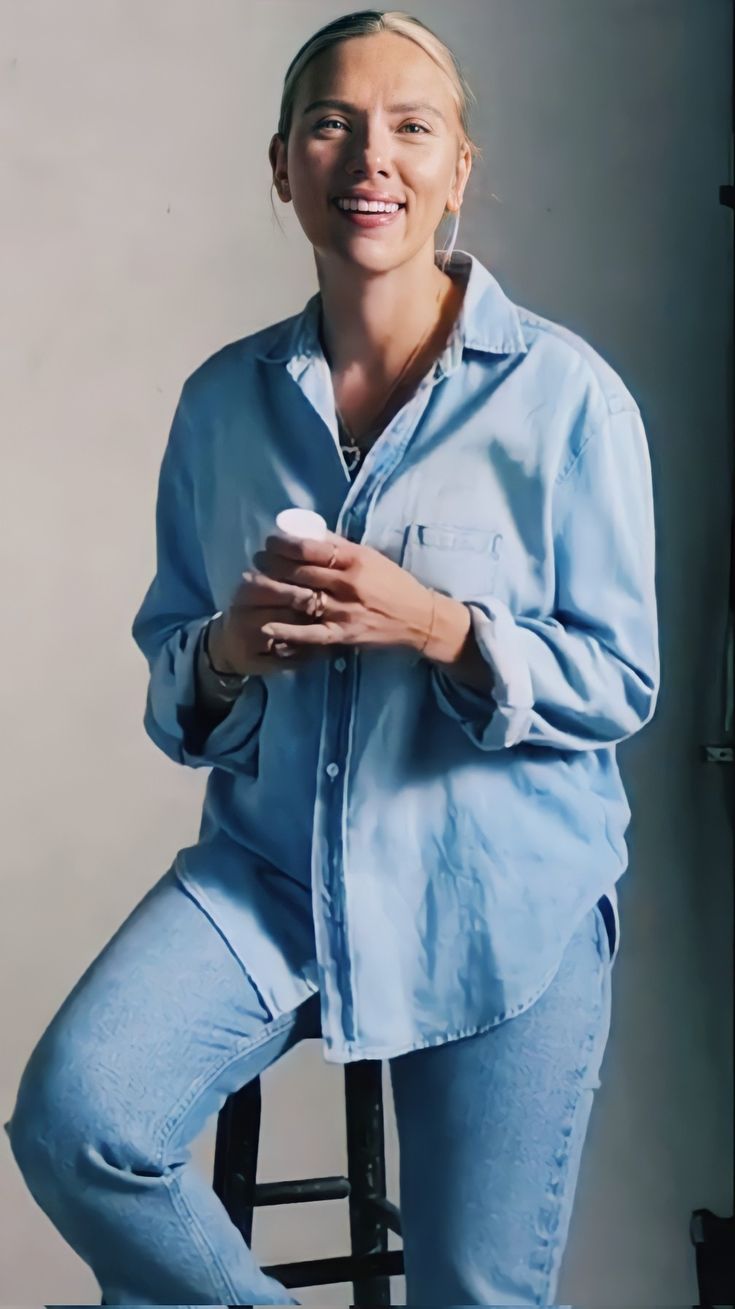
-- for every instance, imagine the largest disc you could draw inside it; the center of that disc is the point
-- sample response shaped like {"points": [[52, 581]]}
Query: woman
{"points": [[414, 821]]}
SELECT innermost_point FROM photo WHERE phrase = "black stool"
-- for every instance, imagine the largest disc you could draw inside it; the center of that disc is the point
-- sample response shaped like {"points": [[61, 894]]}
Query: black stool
{"points": [[370, 1263]]}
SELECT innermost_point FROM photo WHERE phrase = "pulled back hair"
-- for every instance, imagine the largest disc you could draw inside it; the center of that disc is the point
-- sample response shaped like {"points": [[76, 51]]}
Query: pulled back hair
{"points": [[366, 22]]}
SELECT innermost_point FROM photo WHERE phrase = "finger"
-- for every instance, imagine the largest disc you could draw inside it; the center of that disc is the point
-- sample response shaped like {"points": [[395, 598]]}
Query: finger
{"points": [[246, 625], [294, 655], [281, 609], [310, 634], [334, 551], [288, 546], [278, 614], [258, 590], [284, 651], [297, 654], [298, 599], [302, 576]]}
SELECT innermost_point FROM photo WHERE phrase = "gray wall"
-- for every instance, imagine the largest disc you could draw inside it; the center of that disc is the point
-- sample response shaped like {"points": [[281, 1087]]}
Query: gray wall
{"points": [[137, 237]]}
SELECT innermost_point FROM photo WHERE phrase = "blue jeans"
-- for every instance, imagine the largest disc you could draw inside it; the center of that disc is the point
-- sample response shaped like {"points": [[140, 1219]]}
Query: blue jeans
{"points": [[164, 1025]]}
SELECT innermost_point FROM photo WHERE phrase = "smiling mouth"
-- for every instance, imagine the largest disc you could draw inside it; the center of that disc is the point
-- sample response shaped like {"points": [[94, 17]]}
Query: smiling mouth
{"points": [[401, 205], [368, 218]]}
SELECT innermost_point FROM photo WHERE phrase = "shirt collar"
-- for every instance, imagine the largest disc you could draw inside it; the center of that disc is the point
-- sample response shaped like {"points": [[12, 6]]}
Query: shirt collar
{"points": [[487, 321]]}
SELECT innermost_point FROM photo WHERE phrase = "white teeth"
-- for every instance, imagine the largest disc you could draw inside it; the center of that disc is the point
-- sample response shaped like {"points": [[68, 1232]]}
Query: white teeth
{"points": [[368, 207]]}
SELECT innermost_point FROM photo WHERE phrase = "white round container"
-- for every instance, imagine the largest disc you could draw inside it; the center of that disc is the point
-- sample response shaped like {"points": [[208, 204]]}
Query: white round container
{"points": [[301, 524]]}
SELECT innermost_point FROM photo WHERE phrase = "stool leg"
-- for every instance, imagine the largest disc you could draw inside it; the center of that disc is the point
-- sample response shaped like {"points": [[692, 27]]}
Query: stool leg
{"points": [[366, 1170], [236, 1155]]}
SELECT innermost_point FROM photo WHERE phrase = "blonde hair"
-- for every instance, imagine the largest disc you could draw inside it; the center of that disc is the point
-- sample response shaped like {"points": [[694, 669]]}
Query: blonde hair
{"points": [[366, 22]]}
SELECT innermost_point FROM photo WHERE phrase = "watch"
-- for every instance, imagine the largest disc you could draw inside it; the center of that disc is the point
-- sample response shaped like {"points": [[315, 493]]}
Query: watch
{"points": [[231, 683]]}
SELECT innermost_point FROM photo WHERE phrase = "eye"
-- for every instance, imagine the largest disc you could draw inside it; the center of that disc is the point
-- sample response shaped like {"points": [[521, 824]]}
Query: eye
{"points": [[327, 121]]}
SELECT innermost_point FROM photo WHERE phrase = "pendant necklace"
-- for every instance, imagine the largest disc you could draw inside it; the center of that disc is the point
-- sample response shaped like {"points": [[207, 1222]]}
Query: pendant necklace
{"points": [[352, 450]]}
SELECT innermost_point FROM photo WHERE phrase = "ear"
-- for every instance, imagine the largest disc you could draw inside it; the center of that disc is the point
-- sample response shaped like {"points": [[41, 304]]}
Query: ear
{"points": [[461, 176], [277, 158]]}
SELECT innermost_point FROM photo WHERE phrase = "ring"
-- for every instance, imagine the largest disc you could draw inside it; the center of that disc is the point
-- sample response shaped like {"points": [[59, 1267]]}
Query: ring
{"points": [[320, 605], [333, 560]]}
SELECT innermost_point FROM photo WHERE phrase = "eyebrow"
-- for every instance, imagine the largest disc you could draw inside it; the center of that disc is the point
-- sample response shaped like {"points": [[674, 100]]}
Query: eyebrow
{"points": [[392, 109]]}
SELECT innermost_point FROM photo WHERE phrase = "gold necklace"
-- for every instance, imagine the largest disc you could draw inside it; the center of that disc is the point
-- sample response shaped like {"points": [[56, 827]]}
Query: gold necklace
{"points": [[354, 446]]}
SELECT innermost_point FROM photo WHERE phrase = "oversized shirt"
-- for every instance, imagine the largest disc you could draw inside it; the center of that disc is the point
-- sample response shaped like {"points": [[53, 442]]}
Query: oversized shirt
{"points": [[418, 851]]}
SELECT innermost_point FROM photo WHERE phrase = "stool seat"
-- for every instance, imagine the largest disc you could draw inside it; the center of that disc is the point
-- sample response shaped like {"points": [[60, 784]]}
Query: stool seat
{"points": [[370, 1264]]}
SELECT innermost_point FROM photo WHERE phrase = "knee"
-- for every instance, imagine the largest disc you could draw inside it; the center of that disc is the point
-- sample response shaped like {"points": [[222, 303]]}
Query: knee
{"points": [[67, 1107], [44, 1127]]}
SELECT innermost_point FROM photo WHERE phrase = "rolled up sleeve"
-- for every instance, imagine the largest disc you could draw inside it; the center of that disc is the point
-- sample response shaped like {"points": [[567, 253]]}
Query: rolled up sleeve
{"points": [[587, 675], [170, 620]]}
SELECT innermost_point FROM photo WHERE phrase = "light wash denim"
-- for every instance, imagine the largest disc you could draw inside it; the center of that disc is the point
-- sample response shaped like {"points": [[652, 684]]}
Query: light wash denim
{"points": [[418, 852], [164, 1025]]}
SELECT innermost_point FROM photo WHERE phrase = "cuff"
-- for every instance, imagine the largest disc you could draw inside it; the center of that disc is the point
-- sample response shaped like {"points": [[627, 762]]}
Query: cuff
{"points": [[503, 717], [175, 722]]}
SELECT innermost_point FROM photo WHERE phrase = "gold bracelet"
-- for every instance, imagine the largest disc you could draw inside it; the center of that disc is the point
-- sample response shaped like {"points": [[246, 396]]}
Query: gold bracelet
{"points": [[431, 624]]}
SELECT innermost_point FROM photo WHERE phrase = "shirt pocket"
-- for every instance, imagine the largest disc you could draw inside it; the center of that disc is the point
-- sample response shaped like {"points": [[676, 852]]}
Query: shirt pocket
{"points": [[459, 561]]}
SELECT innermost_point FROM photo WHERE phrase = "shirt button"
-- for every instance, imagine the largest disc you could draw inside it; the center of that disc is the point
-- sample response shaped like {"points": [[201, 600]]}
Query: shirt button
{"points": [[332, 769], [340, 664]]}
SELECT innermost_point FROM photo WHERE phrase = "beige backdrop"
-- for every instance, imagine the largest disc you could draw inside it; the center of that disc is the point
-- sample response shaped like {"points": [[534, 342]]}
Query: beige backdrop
{"points": [[137, 238]]}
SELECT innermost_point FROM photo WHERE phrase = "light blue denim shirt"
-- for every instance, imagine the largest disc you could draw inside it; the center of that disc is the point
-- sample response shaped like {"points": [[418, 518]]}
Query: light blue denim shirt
{"points": [[419, 852]]}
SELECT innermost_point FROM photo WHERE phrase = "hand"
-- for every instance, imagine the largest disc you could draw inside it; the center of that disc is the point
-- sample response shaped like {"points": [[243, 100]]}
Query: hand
{"points": [[237, 643], [366, 599]]}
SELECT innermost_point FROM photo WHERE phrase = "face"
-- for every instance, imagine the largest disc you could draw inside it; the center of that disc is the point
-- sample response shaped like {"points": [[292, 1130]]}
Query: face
{"points": [[418, 155]]}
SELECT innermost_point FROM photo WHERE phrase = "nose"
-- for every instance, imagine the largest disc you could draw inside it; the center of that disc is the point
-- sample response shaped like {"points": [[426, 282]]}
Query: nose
{"points": [[368, 151]]}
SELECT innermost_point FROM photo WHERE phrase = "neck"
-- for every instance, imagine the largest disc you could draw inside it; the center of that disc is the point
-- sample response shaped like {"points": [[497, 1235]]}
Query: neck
{"points": [[371, 322]]}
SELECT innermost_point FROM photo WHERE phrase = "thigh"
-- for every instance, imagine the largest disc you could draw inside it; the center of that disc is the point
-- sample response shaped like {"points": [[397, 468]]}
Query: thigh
{"points": [[491, 1129], [162, 1026]]}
